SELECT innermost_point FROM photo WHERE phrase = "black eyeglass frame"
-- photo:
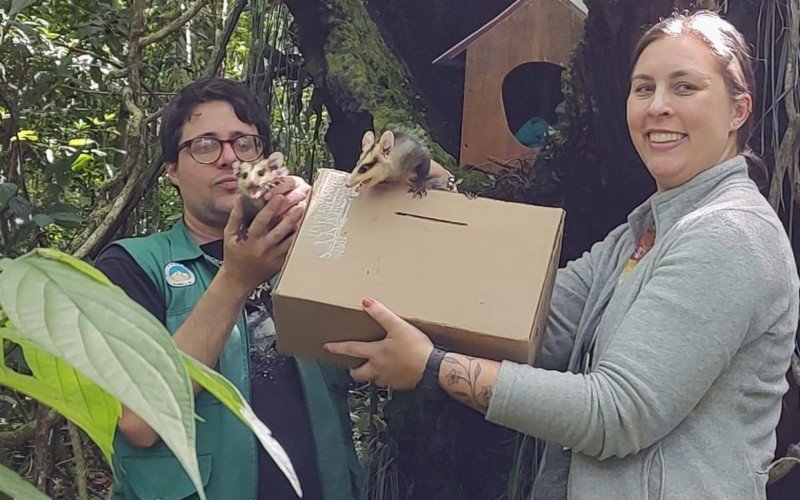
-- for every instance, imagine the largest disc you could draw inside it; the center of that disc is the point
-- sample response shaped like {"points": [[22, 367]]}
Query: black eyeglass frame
{"points": [[187, 144]]}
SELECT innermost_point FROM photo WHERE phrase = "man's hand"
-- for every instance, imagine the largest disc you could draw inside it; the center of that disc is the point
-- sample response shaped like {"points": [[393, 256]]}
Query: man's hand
{"points": [[250, 262], [294, 189], [398, 360]]}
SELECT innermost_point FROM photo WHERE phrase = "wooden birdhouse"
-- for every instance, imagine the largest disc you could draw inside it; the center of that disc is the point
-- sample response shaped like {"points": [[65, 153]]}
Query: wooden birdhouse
{"points": [[512, 80]]}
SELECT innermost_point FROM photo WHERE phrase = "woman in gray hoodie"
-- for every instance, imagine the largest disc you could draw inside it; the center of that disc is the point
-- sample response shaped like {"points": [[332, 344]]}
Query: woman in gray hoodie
{"points": [[663, 364]]}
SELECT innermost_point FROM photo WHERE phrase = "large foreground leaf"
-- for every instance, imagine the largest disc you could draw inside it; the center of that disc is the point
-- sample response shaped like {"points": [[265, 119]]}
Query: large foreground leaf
{"points": [[59, 386], [16, 7], [108, 338], [230, 396], [214, 383], [207, 378], [16, 487]]}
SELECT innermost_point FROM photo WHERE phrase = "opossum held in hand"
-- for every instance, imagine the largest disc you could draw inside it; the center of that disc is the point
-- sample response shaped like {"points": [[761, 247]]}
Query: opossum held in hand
{"points": [[254, 180]]}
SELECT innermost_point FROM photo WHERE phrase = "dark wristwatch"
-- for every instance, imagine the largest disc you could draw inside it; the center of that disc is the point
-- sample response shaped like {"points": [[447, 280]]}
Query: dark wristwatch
{"points": [[430, 377]]}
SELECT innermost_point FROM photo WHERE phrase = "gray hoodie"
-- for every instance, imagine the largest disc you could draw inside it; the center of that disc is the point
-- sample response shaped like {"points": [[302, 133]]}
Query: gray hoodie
{"points": [[681, 390]]}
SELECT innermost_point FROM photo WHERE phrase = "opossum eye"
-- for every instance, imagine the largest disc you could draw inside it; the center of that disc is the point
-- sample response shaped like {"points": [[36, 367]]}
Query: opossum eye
{"points": [[363, 169], [261, 172], [243, 175]]}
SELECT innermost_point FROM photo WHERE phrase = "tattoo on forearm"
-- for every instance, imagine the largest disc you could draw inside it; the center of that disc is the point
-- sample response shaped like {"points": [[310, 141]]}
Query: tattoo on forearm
{"points": [[468, 373]]}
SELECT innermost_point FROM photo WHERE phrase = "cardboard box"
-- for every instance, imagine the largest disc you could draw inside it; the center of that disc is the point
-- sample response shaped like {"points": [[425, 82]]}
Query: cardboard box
{"points": [[474, 274]]}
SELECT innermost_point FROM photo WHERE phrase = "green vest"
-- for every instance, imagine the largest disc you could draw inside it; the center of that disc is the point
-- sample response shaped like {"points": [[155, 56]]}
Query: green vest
{"points": [[226, 448]]}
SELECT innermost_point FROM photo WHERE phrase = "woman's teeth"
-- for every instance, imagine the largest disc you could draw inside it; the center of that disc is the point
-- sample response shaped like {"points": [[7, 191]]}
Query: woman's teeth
{"points": [[665, 136]]}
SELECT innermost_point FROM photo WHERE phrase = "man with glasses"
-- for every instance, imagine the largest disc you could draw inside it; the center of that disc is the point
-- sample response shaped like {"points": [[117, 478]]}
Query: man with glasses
{"points": [[212, 293]]}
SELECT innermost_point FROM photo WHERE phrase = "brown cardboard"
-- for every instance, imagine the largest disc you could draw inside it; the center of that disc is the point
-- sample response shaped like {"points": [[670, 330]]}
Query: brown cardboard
{"points": [[474, 274]]}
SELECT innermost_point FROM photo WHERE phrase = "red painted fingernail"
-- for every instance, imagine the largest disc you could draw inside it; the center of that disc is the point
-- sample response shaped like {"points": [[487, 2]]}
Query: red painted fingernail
{"points": [[367, 302]]}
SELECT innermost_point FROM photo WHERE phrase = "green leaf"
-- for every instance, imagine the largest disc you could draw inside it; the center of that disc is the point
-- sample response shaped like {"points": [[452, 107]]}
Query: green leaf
{"points": [[207, 378], [80, 162], [62, 169], [59, 386], [81, 142], [77, 264], [16, 487], [20, 207], [108, 338], [21, 236], [67, 220], [42, 220], [25, 135], [18, 6], [229, 395], [7, 190], [43, 84], [64, 215]]}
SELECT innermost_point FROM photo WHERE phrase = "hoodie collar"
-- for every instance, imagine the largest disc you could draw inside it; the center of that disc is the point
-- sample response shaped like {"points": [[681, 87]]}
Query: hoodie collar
{"points": [[665, 208]]}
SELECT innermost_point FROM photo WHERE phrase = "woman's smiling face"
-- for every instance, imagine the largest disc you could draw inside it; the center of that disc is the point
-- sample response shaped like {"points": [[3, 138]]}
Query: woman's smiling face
{"points": [[681, 117]]}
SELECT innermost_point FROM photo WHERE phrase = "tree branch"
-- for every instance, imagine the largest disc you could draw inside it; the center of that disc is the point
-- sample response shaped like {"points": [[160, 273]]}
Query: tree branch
{"points": [[41, 447], [220, 48], [135, 51], [77, 50], [23, 434], [174, 25], [101, 232], [80, 461]]}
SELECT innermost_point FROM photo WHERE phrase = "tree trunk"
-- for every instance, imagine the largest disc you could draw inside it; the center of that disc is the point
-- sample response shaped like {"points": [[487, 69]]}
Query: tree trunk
{"points": [[363, 84]]}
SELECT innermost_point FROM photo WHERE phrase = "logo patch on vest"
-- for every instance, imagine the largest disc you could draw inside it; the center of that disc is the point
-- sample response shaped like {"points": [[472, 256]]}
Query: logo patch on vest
{"points": [[178, 275]]}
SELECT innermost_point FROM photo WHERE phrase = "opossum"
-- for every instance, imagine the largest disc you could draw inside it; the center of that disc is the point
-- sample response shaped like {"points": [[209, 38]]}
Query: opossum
{"points": [[254, 180]]}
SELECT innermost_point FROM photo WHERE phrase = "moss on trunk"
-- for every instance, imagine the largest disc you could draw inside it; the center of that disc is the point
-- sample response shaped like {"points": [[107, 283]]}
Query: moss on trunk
{"points": [[364, 84]]}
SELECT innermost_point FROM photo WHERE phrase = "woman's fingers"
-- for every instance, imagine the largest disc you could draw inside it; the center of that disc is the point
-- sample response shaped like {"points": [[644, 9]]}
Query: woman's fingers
{"points": [[352, 348], [382, 315]]}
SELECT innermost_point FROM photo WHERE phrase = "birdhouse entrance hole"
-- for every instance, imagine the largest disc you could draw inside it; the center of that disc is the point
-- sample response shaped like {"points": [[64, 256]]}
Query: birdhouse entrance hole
{"points": [[531, 93]]}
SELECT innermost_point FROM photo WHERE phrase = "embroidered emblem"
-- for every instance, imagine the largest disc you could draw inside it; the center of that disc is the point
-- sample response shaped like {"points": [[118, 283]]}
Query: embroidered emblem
{"points": [[178, 275]]}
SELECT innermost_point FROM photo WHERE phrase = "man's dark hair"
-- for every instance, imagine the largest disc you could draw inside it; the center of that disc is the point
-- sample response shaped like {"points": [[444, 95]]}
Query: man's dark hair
{"points": [[177, 112]]}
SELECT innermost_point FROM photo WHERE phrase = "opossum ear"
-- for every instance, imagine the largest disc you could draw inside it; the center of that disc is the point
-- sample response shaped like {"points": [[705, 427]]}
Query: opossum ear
{"points": [[387, 141], [275, 160], [367, 141]]}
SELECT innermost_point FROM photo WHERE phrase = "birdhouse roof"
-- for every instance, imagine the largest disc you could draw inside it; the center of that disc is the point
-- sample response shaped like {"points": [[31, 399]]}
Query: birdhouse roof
{"points": [[450, 56]]}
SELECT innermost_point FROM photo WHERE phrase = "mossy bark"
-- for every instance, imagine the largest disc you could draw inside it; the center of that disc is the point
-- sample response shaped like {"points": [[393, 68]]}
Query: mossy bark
{"points": [[364, 85]]}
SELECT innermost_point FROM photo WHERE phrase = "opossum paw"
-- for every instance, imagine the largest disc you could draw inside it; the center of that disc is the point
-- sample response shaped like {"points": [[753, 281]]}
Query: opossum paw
{"points": [[419, 192]]}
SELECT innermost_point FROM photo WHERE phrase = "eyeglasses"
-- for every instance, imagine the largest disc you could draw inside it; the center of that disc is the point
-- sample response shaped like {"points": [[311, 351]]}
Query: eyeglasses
{"points": [[206, 149]]}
